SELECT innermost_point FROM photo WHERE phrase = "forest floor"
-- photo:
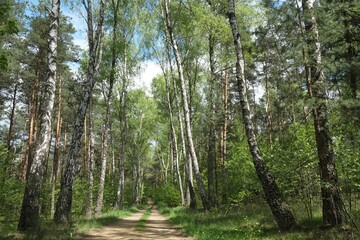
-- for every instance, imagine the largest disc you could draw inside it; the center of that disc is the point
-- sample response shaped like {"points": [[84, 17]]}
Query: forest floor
{"points": [[155, 226]]}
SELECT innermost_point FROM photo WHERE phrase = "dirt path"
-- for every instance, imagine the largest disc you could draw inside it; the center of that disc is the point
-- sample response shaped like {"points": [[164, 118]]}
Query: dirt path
{"points": [[156, 227]]}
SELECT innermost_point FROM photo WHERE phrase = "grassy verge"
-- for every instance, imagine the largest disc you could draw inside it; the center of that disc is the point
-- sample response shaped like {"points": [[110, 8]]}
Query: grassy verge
{"points": [[141, 224], [50, 230], [251, 221], [85, 225]]}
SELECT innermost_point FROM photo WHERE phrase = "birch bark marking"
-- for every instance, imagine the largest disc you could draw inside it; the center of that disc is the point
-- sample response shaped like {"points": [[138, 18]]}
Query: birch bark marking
{"points": [[333, 208], [174, 137], [30, 210], [99, 203], [275, 200], [90, 165], [64, 203], [191, 146], [189, 195]]}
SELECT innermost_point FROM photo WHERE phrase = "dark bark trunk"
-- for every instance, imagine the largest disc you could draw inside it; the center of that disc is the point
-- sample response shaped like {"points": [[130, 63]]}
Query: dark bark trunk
{"points": [[12, 118], [268, 103], [211, 137], [32, 132], [280, 209], [64, 203], [54, 175], [333, 208]]}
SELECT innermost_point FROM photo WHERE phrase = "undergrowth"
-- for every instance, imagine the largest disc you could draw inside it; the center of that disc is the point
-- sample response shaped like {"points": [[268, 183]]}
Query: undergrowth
{"points": [[251, 221]]}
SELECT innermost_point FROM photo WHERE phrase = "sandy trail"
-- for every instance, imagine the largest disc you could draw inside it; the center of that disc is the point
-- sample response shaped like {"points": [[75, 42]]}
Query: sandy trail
{"points": [[156, 227]]}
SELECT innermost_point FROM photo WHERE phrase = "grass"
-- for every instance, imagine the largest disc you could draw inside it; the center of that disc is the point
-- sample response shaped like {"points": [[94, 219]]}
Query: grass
{"points": [[50, 230], [84, 225], [141, 224], [251, 221]]}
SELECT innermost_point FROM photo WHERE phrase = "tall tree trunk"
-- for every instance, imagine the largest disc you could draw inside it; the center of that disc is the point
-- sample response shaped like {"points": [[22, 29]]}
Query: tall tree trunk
{"points": [[333, 208], [63, 206], [268, 103], [280, 209], [137, 164], [223, 140], [190, 198], [12, 118], [120, 191], [90, 165], [199, 180], [99, 203], [174, 138], [30, 210], [55, 168], [32, 132], [211, 138]]}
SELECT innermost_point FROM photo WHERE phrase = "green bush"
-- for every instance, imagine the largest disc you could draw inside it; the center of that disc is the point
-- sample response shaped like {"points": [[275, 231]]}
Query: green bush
{"points": [[167, 194], [11, 190]]}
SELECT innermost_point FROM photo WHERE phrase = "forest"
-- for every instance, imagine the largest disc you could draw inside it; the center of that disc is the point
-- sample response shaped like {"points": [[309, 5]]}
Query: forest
{"points": [[249, 130]]}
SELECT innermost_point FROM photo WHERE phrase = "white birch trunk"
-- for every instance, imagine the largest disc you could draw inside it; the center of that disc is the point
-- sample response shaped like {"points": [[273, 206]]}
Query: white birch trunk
{"points": [[280, 209], [191, 146], [30, 211]]}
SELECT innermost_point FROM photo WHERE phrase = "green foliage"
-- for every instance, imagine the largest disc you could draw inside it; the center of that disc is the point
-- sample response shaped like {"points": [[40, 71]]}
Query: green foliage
{"points": [[11, 192], [167, 194], [8, 26], [241, 182], [248, 221]]}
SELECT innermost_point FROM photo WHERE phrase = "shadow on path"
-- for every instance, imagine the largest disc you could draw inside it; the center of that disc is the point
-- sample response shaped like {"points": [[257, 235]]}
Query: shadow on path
{"points": [[156, 227]]}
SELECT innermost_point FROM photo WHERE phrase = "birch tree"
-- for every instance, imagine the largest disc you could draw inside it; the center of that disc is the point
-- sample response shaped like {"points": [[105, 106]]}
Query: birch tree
{"points": [[332, 205], [280, 209], [95, 41], [198, 176], [114, 55], [30, 210]]}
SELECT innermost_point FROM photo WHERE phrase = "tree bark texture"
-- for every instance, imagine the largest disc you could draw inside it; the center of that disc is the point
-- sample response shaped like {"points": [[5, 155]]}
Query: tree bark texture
{"points": [[189, 195], [333, 208], [99, 203], [211, 137], [174, 139], [64, 203], [55, 168], [119, 196], [280, 209], [12, 118], [30, 210], [90, 166], [198, 176]]}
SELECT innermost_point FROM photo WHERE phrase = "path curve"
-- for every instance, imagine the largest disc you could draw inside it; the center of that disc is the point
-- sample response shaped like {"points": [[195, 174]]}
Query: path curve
{"points": [[156, 227]]}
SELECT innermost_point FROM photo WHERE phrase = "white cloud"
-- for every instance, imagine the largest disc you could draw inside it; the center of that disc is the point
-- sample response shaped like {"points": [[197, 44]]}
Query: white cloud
{"points": [[144, 79], [82, 43]]}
